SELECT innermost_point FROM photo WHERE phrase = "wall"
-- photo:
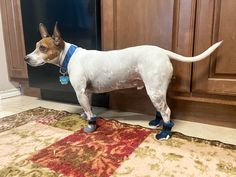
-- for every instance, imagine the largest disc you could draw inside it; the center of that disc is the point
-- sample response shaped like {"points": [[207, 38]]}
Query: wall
{"points": [[5, 83]]}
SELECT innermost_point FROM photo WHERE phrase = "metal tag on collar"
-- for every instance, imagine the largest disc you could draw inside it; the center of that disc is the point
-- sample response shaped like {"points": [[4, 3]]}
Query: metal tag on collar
{"points": [[64, 79]]}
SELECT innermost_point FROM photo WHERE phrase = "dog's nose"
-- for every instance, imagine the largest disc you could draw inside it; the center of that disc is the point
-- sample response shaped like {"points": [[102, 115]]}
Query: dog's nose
{"points": [[26, 58]]}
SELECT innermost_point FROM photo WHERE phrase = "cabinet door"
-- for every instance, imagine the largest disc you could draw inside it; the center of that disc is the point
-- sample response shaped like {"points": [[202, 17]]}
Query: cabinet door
{"points": [[13, 38], [165, 23], [215, 21]]}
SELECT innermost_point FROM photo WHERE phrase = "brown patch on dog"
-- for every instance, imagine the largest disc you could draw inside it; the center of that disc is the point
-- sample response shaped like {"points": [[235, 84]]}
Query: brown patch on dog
{"points": [[49, 48]]}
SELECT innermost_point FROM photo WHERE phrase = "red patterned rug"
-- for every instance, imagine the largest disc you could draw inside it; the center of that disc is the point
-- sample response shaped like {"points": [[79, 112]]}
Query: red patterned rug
{"points": [[48, 143], [92, 154]]}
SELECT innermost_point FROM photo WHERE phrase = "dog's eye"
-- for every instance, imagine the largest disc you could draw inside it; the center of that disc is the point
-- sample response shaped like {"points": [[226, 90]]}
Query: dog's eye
{"points": [[42, 48]]}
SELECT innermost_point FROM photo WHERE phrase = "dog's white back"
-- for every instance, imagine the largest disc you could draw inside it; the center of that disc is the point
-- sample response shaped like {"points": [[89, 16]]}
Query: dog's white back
{"points": [[118, 69]]}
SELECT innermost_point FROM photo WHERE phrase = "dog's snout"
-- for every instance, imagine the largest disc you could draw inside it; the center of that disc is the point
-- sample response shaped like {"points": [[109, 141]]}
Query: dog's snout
{"points": [[26, 58]]}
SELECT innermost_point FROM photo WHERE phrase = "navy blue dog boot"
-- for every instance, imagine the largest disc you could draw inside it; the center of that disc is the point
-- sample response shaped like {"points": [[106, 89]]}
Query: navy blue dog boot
{"points": [[91, 125], [157, 121], [166, 131]]}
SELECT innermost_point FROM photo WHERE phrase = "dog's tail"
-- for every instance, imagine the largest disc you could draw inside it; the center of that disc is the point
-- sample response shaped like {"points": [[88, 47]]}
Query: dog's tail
{"points": [[195, 58]]}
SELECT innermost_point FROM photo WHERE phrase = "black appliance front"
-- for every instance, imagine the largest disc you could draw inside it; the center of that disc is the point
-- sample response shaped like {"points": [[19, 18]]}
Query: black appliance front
{"points": [[78, 22]]}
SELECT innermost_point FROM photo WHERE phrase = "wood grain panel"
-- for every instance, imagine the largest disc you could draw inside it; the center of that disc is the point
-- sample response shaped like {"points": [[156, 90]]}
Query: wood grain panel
{"points": [[165, 23], [13, 38], [144, 22], [107, 27], [183, 34], [225, 25], [215, 21], [204, 112], [131, 100]]}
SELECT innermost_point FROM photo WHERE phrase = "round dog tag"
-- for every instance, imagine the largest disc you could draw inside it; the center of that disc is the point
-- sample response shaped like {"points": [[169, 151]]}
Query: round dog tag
{"points": [[64, 80]]}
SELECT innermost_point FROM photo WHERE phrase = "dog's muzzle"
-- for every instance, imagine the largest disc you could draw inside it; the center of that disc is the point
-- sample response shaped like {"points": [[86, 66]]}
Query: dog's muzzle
{"points": [[27, 59]]}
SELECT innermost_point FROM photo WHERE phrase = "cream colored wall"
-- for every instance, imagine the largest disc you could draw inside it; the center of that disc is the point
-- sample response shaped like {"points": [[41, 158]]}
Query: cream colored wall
{"points": [[5, 83]]}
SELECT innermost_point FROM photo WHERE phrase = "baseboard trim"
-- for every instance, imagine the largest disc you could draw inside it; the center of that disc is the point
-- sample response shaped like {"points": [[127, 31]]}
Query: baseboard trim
{"points": [[9, 93], [207, 111]]}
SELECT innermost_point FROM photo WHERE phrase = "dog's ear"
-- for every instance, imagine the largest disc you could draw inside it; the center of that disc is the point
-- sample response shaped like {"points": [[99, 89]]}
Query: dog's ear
{"points": [[57, 37], [43, 31]]}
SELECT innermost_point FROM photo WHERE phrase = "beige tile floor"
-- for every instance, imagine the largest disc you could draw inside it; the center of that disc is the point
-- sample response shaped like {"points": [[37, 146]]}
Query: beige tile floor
{"points": [[21, 103]]}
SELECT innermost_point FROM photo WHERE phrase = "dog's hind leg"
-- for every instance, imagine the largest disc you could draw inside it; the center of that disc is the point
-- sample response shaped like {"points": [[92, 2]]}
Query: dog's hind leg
{"points": [[158, 99], [156, 82]]}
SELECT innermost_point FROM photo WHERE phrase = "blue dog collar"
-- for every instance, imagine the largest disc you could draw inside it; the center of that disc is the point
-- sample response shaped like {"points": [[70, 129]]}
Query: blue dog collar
{"points": [[64, 79], [70, 52]]}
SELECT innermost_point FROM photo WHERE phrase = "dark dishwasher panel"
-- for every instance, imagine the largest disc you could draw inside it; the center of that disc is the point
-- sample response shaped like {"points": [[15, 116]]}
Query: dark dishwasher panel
{"points": [[78, 22]]}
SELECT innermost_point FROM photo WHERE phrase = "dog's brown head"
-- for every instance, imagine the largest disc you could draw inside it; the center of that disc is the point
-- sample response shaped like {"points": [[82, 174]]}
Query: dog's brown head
{"points": [[48, 49]]}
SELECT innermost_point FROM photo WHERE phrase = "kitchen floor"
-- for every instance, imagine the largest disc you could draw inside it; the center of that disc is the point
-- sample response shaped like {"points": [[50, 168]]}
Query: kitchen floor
{"points": [[18, 104]]}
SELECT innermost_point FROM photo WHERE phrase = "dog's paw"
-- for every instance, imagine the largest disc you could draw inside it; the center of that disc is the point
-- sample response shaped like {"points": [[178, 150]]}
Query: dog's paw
{"points": [[164, 135], [90, 128], [155, 123]]}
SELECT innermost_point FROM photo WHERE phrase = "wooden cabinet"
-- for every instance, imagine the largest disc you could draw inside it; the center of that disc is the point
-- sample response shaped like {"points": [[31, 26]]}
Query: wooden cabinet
{"points": [[215, 21], [187, 27], [13, 38], [203, 91], [165, 23]]}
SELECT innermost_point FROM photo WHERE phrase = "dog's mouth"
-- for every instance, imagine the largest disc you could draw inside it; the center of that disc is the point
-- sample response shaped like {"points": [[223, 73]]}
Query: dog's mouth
{"points": [[34, 64]]}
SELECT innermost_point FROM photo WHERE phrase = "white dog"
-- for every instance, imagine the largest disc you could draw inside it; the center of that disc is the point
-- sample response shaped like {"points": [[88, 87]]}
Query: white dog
{"points": [[92, 71]]}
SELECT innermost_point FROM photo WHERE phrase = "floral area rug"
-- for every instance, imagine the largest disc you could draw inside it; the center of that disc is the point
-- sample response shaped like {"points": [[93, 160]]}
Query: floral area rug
{"points": [[47, 143]]}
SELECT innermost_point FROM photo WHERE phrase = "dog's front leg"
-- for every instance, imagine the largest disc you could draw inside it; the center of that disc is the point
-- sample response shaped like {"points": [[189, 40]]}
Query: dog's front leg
{"points": [[83, 115], [84, 101]]}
